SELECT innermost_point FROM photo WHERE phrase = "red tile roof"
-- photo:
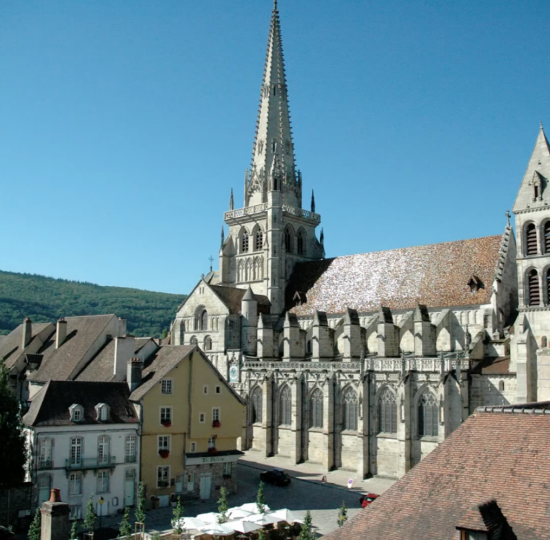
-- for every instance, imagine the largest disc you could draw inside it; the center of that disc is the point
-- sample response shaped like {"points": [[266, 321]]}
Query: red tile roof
{"points": [[499, 453]]}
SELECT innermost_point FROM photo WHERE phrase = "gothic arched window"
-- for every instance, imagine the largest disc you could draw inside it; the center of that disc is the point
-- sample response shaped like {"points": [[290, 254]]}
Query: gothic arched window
{"points": [[387, 412], [349, 410], [530, 239], [244, 242], [316, 409], [204, 320], [259, 240], [547, 237], [207, 343], [427, 415], [288, 241], [300, 243], [285, 402], [533, 288], [194, 341], [256, 405]]}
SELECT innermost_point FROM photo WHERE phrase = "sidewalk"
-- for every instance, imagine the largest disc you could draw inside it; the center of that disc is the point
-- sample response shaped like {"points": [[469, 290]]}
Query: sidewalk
{"points": [[312, 472]]}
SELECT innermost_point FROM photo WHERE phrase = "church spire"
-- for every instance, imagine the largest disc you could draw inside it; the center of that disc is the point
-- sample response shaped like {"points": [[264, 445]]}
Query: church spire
{"points": [[273, 133]]}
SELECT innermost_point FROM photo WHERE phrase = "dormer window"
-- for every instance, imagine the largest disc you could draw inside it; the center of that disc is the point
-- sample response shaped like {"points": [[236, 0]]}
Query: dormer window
{"points": [[77, 412], [473, 535], [475, 284], [102, 412]]}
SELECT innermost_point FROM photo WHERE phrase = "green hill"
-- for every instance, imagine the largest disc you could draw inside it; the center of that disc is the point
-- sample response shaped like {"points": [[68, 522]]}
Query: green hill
{"points": [[45, 299]]}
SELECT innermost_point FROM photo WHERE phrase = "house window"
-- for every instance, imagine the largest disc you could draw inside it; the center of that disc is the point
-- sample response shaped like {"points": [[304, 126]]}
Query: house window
{"points": [[215, 414], [75, 511], [76, 413], [207, 343], [285, 407], [163, 476], [228, 469], [212, 442], [349, 410], [44, 483], [244, 242], [205, 389], [45, 453], [102, 481], [193, 447], [75, 483], [531, 239], [164, 442], [533, 288], [427, 415], [387, 412], [166, 415], [218, 389], [130, 449], [316, 409], [256, 405], [76, 451], [166, 386], [103, 449], [202, 417], [102, 412]]}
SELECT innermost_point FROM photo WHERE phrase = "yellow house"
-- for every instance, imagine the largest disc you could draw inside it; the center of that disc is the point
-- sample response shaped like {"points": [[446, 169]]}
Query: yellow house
{"points": [[190, 420]]}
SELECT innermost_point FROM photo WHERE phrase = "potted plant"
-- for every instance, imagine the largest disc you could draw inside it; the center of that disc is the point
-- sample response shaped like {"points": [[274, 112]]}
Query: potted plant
{"points": [[216, 424], [164, 453], [212, 451], [166, 423]]}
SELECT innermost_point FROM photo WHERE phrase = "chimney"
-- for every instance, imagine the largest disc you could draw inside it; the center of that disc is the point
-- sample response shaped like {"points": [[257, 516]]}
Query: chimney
{"points": [[55, 518], [133, 376], [27, 332], [60, 333], [124, 350]]}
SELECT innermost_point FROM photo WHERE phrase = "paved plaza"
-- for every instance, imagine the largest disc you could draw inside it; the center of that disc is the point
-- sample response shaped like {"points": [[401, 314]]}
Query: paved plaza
{"points": [[308, 491]]}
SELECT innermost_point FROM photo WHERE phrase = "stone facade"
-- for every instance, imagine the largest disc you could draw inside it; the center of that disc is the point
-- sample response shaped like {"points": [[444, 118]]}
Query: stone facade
{"points": [[364, 362]]}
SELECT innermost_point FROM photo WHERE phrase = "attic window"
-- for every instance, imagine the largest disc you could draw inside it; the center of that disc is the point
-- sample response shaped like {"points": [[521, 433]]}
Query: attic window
{"points": [[473, 535], [77, 412], [475, 284], [102, 412]]}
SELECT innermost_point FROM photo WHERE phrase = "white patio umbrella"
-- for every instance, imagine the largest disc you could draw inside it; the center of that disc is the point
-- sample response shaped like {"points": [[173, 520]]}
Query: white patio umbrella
{"points": [[243, 525], [264, 519], [238, 513], [217, 529], [191, 523], [253, 507], [290, 516], [209, 517]]}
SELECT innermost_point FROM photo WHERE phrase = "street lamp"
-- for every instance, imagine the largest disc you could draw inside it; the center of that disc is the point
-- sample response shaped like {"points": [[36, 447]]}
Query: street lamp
{"points": [[101, 501]]}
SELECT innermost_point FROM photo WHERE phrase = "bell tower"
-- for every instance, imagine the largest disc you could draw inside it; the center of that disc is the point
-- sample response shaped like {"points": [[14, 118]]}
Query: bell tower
{"points": [[272, 231]]}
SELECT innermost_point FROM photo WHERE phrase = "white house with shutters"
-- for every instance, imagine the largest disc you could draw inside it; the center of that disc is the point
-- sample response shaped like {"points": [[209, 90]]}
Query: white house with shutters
{"points": [[84, 439]]}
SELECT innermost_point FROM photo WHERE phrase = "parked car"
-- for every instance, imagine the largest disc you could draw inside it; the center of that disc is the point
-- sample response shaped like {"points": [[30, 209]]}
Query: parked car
{"points": [[365, 500], [277, 477]]}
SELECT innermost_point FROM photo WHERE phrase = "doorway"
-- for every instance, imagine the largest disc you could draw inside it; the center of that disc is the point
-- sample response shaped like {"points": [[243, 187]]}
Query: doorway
{"points": [[206, 486]]}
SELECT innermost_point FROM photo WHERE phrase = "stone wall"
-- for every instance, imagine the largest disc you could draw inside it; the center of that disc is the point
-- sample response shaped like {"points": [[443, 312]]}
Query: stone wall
{"points": [[14, 504]]}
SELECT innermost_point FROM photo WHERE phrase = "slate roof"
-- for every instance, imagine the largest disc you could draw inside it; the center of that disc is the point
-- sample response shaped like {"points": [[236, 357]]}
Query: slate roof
{"points": [[499, 453], [10, 346], [59, 364], [232, 297], [435, 275], [50, 406]]}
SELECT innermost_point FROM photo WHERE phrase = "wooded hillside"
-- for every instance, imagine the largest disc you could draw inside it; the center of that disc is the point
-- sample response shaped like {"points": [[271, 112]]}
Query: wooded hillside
{"points": [[45, 299]]}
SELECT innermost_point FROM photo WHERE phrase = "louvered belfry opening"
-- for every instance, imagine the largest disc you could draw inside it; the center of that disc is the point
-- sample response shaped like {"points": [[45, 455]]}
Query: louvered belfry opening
{"points": [[548, 286], [531, 239], [534, 288], [547, 237]]}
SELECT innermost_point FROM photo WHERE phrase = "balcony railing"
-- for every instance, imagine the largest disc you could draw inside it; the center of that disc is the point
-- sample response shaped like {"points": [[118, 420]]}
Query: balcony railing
{"points": [[45, 464], [90, 463]]}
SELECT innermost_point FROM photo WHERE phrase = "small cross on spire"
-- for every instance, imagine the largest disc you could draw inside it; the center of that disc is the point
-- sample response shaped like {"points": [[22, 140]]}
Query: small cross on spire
{"points": [[507, 218], [211, 259], [274, 5]]}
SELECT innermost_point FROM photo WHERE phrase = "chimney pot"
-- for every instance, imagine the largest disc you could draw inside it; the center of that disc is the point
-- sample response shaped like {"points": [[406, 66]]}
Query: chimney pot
{"points": [[55, 495], [61, 333], [133, 374], [27, 332]]}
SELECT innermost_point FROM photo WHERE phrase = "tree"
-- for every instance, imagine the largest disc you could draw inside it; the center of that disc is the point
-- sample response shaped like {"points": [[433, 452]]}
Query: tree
{"points": [[342, 514], [164, 333], [305, 531], [34, 529], [260, 499], [178, 512], [74, 533], [222, 506], [125, 528], [140, 508], [90, 521], [13, 450], [262, 535]]}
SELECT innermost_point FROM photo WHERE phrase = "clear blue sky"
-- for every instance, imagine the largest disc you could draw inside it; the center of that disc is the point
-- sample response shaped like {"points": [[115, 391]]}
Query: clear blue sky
{"points": [[124, 124]]}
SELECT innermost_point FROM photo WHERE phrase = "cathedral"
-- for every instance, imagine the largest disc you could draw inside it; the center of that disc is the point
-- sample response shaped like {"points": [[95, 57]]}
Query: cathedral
{"points": [[366, 362]]}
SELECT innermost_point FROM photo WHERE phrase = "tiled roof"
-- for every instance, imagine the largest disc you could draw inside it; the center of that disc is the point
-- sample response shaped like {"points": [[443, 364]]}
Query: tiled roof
{"points": [[435, 275], [499, 453], [232, 296], [10, 346], [59, 364], [50, 406], [159, 364], [493, 366], [482, 517]]}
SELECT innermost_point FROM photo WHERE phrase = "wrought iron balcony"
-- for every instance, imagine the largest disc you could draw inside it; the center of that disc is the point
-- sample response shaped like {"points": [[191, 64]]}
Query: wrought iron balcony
{"points": [[91, 463]]}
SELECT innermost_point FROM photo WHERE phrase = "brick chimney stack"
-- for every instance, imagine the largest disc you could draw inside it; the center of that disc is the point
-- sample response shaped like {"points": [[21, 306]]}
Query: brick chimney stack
{"points": [[55, 518]]}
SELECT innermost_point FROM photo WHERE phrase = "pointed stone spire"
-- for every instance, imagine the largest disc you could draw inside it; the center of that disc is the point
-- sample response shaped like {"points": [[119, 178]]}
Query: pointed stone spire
{"points": [[223, 236], [312, 201], [322, 237], [273, 132], [535, 189], [231, 204]]}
